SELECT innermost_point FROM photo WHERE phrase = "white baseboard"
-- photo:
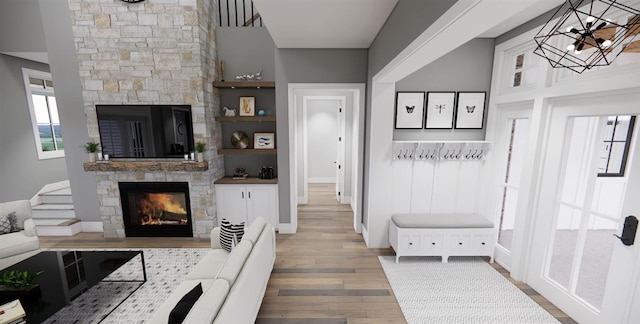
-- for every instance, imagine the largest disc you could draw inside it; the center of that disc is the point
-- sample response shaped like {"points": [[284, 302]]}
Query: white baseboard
{"points": [[92, 227], [286, 228], [365, 235], [346, 200], [322, 180]]}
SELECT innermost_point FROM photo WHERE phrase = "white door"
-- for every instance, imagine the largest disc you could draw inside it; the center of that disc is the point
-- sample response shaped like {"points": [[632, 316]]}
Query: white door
{"points": [[231, 202], [340, 160], [262, 201], [576, 262]]}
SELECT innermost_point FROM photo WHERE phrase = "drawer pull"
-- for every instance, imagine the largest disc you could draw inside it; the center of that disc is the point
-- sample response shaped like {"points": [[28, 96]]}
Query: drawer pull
{"points": [[410, 243], [482, 243], [460, 243], [433, 243]]}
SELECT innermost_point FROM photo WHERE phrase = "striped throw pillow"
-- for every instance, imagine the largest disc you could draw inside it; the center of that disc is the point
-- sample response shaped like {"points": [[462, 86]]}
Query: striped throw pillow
{"points": [[5, 224], [230, 234]]}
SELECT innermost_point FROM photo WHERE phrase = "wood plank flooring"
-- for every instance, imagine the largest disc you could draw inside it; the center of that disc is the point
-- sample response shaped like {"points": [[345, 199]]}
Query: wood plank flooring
{"points": [[323, 274]]}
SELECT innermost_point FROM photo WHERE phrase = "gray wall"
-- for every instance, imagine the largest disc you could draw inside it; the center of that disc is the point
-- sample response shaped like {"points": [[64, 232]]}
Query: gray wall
{"points": [[467, 68], [408, 20], [23, 17], [22, 174], [529, 25], [245, 51], [308, 66], [64, 70]]}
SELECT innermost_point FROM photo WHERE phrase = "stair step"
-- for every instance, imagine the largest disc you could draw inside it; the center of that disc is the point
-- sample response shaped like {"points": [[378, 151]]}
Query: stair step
{"points": [[58, 227], [56, 199], [65, 213], [60, 192], [52, 207]]}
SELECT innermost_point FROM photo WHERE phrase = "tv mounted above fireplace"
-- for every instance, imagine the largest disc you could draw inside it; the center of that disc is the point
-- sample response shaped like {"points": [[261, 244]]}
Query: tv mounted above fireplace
{"points": [[145, 131]]}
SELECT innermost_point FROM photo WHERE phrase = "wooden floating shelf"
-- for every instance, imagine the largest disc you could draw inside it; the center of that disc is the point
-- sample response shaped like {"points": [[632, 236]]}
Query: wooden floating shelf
{"points": [[147, 166], [248, 151], [249, 180], [245, 84], [246, 119]]}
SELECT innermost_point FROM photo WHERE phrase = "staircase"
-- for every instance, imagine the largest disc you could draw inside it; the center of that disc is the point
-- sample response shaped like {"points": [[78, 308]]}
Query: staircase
{"points": [[52, 211]]}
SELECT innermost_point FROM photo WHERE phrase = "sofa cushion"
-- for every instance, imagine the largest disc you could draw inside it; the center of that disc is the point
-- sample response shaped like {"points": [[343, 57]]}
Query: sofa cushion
{"points": [[254, 230], [208, 305], [16, 243], [231, 268], [230, 234], [441, 221], [182, 308], [209, 266], [5, 224]]}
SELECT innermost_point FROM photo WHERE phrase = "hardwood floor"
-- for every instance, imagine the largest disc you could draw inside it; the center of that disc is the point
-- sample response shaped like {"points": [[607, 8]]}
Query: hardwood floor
{"points": [[323, 274]]}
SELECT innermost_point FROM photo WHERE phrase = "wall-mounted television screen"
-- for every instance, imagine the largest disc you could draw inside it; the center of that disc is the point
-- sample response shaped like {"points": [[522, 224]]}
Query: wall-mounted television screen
{"points": [[145, 131]]}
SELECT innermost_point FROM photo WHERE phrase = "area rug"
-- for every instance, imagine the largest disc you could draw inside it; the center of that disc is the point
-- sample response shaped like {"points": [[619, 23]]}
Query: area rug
{"points": [[166, 269], [465, 290]]}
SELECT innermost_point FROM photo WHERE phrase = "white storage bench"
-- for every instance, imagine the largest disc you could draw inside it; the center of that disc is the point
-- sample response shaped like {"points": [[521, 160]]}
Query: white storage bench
{"points": [[442, 235]]}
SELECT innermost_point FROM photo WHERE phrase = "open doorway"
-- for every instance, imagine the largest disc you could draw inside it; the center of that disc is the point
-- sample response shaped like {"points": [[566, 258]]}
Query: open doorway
{"points": [[326, 144]]}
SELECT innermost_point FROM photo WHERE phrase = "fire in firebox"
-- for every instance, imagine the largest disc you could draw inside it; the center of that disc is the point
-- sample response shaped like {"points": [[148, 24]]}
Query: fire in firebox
{"points": [[159, 208]]}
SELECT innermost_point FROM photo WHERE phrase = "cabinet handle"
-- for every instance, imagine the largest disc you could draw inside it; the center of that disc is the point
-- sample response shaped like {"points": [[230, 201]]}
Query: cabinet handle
{"points": [[482, 243], [249, 193], [410, 243], [243, 195], [433, 243], [460, 243]]}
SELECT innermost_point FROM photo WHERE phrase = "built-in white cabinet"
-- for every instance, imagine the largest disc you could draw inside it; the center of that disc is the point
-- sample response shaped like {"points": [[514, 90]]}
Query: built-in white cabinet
{"points": [[244, 203]]}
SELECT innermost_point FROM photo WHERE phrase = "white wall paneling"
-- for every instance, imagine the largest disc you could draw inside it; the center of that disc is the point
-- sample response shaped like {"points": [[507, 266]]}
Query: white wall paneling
{"points": [[437, 177]]}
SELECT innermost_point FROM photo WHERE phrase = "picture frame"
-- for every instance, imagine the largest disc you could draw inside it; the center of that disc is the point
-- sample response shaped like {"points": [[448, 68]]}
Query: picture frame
{"points": [[264, 141], [470, 110], [440, 108], [409, 112], [247, 106]]}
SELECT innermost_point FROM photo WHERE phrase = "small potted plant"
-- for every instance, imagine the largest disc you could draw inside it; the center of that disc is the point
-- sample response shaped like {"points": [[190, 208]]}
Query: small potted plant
{"points": [[200, 151], [17, 284], [91, 148]]}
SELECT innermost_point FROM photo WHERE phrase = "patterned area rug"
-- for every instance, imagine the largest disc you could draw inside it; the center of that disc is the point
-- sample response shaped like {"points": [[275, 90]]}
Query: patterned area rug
{"points": [[465, 290], [166, 269]]}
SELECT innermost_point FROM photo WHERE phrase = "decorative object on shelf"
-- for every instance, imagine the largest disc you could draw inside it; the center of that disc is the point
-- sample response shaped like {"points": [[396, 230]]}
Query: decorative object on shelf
{"points": [[250, 77], [440, 106], [247, 106], [409, 109], [229, 112], [262, 112], [240, 173], [200, 146], [264, 140], [266, 172], [470, 110], [589, 33], [91, 148], [131, 1], [12, 312], [222, 70], [239, 140]]}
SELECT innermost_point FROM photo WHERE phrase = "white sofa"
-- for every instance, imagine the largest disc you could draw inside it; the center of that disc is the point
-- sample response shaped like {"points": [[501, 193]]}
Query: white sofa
{"points": [[17, 246], [233, 284]]}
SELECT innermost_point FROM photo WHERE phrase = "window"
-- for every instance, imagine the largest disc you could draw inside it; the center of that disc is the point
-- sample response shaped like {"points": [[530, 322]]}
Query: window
{"points": [[44, 114], [615, 146]]}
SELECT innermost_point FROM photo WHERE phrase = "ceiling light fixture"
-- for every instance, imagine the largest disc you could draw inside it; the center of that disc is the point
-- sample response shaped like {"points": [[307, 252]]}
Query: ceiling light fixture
{"points": [[586, 35]]}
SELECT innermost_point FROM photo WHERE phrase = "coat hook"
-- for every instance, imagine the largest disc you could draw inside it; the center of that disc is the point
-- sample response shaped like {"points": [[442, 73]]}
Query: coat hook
{"points": [[479, 156], [446, 155], [421, 154]]}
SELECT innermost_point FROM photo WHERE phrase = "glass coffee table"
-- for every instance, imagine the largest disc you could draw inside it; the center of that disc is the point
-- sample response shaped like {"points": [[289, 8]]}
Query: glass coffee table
{"points": [[67, 275]]}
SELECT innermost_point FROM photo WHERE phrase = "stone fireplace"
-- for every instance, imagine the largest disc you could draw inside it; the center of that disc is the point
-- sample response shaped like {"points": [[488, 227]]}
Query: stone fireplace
{"points": [[157, 52], [156, 209]]}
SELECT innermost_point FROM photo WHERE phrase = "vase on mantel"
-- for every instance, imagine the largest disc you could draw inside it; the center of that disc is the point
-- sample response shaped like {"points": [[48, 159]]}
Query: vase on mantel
{"points": [[200, 156]]}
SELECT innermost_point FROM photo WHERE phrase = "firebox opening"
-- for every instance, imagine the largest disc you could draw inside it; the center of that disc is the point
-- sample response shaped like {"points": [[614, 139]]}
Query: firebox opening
{"points": [[156, 209]]}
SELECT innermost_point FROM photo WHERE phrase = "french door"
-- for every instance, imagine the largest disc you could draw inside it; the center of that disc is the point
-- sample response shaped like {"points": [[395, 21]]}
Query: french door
{"points": [[576, 261]]}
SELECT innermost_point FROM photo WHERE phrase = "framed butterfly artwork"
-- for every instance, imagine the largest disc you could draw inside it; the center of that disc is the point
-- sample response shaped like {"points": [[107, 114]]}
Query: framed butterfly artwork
{"points": [[409, 109], [440, 106], [470, 110]]}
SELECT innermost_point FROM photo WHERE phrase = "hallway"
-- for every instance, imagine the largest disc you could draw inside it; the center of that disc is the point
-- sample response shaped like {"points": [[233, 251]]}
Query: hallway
{"points": [[324, 274]]}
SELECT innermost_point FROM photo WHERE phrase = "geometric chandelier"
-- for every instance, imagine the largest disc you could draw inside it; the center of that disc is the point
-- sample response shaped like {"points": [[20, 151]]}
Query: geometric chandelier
{"points": [[589, 33]]}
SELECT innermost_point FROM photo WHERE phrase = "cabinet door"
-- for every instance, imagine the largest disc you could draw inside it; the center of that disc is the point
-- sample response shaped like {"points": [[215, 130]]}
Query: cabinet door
{"points": [[262, 202], [231, 201]]}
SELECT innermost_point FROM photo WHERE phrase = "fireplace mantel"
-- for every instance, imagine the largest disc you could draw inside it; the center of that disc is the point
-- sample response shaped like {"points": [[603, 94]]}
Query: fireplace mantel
{"points": [[149, 166]]}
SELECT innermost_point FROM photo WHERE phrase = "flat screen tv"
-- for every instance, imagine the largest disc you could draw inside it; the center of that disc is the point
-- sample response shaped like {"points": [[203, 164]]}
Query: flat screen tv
{"points": [[145, 131]]}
